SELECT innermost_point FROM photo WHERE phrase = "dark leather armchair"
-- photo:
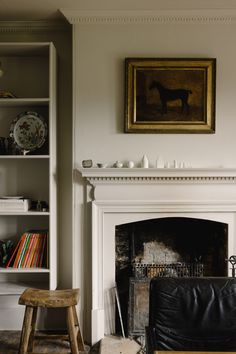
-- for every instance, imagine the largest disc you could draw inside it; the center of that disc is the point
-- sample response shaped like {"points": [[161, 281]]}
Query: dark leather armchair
{"points": [[192, 314]]}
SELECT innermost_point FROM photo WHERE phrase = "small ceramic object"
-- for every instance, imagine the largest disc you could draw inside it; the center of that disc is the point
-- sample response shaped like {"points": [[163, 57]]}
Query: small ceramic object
{"points": [[87, 163], [167, 165], [38, 205], [118, 164], [130, 164], [159, 162], [101, 165], [145, 162]]}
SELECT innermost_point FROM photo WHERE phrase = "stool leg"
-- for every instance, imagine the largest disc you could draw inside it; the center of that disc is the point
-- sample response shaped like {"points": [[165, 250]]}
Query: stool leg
{"points": [[80, 341], [26, 329], [31, 338], [72, 331]]}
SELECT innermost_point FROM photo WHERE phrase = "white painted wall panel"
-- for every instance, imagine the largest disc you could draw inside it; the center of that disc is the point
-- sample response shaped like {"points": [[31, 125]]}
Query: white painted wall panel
{"points": [[101, 50]]}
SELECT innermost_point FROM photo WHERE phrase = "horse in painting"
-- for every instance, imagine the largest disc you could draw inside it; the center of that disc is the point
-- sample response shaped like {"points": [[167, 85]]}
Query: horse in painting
{"points": [[167, 95]]}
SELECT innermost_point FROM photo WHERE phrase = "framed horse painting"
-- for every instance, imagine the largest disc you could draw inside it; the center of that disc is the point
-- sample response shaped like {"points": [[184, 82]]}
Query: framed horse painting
{"points": [[170, 95]]}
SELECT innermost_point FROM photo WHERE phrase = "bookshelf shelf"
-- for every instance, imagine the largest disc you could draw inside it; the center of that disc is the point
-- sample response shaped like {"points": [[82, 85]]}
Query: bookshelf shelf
{"points": [[24, 157], [31, 76], [22, 102], [24, 270], [26, 213]]}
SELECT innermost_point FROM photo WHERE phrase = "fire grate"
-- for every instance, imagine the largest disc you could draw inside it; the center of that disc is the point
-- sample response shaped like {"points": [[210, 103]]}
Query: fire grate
{"points": [[180, 269], [138, 310]]}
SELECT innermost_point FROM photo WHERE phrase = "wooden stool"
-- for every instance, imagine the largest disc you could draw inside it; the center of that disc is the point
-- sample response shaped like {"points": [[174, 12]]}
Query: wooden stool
{"points": [[34, 298]]}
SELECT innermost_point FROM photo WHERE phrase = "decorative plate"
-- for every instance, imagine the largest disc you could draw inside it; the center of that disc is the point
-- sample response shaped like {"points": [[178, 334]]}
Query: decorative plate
{"points": [[29, 131]]}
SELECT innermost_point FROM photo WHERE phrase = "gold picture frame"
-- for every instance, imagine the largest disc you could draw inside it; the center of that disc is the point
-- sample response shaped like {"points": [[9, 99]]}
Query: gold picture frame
{"points": [[170, 95]]}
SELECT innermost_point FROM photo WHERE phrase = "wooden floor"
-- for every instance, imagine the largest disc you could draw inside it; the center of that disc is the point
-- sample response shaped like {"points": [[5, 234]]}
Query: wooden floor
{"points": [[9, 343]]}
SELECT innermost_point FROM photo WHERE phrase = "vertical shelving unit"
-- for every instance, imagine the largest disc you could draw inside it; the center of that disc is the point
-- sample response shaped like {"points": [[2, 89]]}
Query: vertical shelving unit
{"points": [[30, 74]]}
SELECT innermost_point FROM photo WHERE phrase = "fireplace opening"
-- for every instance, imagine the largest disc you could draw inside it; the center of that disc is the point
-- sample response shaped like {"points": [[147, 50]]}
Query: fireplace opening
{"points": [[171, 246]]}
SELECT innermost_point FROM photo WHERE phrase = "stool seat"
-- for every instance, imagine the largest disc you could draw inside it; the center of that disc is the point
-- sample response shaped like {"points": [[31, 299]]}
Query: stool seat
{"points": [[35, 298], [49, 298]]}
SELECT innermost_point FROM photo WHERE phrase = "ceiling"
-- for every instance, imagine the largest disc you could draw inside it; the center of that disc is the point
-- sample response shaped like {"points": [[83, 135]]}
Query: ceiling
{"points": [[33, 10]]}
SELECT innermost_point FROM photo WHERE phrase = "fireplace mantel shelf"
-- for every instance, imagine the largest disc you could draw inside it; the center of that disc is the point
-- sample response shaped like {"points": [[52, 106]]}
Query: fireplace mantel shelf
{"points": [[144, 175]]}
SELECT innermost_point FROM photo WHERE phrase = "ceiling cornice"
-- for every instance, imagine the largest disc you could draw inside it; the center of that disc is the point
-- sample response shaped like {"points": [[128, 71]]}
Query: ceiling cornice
{"points": [[32, 26], [203, 16]]}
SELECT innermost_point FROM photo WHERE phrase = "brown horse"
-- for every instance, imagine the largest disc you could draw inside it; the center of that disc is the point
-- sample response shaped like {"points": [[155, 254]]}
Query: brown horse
{"points": [[171, 95]]}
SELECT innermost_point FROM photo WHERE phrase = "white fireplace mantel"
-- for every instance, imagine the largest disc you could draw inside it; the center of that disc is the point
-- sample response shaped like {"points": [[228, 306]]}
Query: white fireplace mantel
{"points": [[123, 195], [163, 184]]}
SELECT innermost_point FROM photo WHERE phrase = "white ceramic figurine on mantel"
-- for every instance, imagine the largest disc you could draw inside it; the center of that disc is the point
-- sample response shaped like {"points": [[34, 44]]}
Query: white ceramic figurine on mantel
{"points": [[145, 162], [160, 162], [130, 164], [118, 164]]}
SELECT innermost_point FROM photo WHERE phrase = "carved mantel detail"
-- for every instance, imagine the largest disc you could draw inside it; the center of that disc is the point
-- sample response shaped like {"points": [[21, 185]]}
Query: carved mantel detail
{"points": [[98, 176]]}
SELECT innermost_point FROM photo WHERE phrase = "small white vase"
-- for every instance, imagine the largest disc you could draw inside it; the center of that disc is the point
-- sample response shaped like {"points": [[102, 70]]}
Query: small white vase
{"points": [[145, 162], [160, 162], [130, 164]]}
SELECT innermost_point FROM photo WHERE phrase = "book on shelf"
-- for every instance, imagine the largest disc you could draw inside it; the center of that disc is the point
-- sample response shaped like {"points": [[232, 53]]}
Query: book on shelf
{"points": [[31, 251], [20, 251], [22, 255], [11, 204]]}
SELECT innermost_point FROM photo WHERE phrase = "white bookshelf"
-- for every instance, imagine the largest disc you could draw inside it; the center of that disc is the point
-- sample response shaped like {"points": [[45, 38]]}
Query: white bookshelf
{"points": [[24, 270], [21, 102], [30, 74]]}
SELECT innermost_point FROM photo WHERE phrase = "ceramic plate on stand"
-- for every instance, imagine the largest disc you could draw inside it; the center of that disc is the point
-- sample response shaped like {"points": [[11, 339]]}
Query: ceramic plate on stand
{"points": [[29, 131]]}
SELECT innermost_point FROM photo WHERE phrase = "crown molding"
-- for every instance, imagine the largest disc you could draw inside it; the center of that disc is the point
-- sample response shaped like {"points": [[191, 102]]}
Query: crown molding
{"points": [[202, 16], [32, 26]]}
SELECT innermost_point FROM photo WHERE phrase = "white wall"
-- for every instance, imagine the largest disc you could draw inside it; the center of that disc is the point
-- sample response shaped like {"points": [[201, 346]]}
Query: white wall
{"points": [[99, 52], [100, 97]]}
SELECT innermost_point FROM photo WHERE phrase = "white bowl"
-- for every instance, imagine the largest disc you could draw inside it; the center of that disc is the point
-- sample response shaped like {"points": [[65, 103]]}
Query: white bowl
{"points": [[101, 165]]}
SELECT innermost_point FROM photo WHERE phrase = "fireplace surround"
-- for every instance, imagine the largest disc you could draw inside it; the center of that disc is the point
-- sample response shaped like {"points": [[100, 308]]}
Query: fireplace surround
{"points": [[121, 196]]}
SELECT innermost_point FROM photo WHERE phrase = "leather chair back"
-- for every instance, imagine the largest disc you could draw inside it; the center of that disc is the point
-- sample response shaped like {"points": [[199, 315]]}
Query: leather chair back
{"points": [[194, 314]]}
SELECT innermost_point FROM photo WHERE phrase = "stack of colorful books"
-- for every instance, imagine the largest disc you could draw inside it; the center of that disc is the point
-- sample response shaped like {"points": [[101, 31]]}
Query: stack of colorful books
{"points": [[31, 251]]}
